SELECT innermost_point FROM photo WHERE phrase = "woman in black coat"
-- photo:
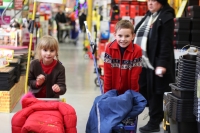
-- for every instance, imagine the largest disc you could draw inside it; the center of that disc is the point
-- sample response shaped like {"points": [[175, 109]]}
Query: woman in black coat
{"points": [[154, 33]]}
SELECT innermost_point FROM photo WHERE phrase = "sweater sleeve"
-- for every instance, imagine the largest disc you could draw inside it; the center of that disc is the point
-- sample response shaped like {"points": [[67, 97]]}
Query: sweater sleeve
{"points": [[61, 81], [137, 68], [166, 43], [32, 77], [107, 70]]}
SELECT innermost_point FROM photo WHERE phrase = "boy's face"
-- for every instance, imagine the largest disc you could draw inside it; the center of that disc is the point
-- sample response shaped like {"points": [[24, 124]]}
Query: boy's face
{"points": [[124, 37]]}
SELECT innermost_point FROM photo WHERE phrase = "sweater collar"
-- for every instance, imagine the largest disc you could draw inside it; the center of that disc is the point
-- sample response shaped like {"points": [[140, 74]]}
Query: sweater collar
{"points": [[114, 45]]}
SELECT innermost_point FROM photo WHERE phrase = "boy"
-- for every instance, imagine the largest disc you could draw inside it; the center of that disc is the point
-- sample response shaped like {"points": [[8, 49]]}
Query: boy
{"points": [[122, 61]]}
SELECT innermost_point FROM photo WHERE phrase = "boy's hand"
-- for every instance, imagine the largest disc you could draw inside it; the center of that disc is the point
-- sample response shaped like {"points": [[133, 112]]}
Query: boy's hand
{"points": [[40, 79], [56, 88]]}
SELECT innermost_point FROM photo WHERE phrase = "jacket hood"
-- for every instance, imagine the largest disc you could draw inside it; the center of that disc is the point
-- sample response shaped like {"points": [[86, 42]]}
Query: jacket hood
{"points": [[167, 13]]}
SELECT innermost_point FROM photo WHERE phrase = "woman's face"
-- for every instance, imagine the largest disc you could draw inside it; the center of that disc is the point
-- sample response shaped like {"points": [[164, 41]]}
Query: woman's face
{"points": [[153, 5]]}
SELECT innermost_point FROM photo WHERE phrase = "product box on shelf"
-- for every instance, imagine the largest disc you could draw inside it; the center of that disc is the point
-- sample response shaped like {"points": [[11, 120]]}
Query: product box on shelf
{"points": [[8, 99]]}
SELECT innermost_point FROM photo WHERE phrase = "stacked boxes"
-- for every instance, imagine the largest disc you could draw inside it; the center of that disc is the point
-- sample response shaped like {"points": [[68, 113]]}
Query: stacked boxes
{"points": [[181, 32], [181, 100], [194, 14], [8, 99]]}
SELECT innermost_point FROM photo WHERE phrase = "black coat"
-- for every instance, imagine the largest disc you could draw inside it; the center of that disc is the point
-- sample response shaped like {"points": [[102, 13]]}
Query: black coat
{"points": [[160, 50]]}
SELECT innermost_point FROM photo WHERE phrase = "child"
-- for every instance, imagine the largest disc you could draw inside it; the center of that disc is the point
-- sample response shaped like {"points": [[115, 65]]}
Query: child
{"points": [[47, 75], [122, 61]]}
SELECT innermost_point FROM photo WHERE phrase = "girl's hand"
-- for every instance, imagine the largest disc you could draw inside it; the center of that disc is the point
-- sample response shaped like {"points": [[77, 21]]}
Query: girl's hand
{"points": [[56, 88], [40, 79]]}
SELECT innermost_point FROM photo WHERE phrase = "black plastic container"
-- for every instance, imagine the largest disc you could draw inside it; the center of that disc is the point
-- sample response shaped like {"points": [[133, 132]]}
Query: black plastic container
{"points": [[193, 11], [181, 110], [191, 59], [181, 35], [180, 44], [193, 8], [193, 2], [181, 62], [195, 36], [182, 127], [195, 23], [7, 72], [182, 23], [182, 92]]}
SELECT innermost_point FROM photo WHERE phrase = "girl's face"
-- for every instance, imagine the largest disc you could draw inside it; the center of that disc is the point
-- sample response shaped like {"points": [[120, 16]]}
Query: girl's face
{"points": [[124, 37], [48, 56]]}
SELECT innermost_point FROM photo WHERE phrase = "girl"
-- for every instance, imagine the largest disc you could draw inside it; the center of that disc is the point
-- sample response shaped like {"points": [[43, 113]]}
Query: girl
{"points": [[47, 75]]}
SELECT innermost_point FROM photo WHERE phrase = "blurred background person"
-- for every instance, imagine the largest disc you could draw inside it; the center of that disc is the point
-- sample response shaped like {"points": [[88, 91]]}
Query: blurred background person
{"points": [[61, 23]]}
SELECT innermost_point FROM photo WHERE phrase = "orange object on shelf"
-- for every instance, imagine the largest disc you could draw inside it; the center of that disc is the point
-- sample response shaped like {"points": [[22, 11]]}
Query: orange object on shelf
{"points": [[142, 8], [101, 48], [134, 9]]}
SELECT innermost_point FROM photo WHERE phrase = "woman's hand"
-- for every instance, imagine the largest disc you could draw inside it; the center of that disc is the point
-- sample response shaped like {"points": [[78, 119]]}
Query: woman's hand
{"points": [[160, 71], [40, 79], [56, 88]]}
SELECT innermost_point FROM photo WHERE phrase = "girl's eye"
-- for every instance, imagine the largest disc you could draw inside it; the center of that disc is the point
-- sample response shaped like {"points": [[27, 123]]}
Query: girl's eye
{"points": [[45, 50], [127, 36], [52, 50], [120, 35]]}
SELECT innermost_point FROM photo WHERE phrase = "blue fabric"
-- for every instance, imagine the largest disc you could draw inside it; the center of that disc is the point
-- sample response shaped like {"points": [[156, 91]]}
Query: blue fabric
{"points": [[113, 109]]}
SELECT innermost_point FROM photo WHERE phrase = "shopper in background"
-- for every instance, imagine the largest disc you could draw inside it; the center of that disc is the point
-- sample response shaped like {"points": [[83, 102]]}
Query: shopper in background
{"points": [[61, 23], [154, 33], [82, 17], [74, 29], [122, 61], [68, 27], [47, 75]]}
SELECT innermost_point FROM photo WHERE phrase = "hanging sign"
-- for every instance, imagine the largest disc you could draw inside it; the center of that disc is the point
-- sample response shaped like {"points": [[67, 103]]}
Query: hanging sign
{"points": [[1, 2], [18, 5], [51, 1]]}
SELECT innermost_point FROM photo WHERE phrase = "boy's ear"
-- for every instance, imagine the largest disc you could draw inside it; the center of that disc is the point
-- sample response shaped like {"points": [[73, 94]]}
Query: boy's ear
{"points": [[133, 36]]}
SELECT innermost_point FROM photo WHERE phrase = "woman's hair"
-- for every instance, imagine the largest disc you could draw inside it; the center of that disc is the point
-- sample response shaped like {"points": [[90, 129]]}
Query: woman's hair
{"points": [[46, 42], [124, 24]]}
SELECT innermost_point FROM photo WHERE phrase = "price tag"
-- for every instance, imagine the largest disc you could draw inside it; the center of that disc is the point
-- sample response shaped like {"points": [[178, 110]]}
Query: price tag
{"points": [[3, 62], [7, 53]]}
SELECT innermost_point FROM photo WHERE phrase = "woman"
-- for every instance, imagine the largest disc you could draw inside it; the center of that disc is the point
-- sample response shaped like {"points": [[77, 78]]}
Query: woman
{"points": [[154, 33]]}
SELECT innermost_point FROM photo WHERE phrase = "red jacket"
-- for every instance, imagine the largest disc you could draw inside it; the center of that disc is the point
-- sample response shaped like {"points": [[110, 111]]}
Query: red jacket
{"points": [[44, 117], [122, 74]]}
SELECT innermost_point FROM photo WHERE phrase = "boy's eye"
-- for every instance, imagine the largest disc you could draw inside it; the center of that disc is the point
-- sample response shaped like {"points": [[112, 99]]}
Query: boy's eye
{"points": [[127, 35], [120, 35]]}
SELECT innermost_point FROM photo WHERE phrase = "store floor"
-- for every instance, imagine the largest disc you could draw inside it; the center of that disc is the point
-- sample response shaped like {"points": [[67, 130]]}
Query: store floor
{"points": [[81, 89]]}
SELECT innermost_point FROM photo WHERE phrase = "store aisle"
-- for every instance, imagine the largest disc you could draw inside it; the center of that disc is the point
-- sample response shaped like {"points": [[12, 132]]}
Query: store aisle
{"points": [[81, 89]]}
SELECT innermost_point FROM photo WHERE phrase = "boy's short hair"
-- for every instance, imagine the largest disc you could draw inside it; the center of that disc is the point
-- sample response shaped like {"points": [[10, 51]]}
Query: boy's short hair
{"points": [[46, 42], [124, 24]]}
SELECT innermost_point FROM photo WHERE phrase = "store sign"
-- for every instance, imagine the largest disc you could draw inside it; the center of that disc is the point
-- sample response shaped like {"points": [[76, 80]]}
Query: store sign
{"points": [[6, 20], [5, 4], [18, 5], [1, 2], [51, 1]]}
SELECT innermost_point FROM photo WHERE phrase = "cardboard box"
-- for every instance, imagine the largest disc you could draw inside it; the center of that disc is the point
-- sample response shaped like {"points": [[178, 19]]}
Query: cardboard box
{"points": [[8, 99]]}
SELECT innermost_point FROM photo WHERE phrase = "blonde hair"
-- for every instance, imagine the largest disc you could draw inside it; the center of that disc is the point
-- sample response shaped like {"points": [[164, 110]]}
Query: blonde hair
{"points": [[124, 24], [46, 42]]}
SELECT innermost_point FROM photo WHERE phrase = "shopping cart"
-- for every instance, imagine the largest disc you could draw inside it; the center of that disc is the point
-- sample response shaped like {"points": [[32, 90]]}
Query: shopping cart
{"points": [[130, 124]]}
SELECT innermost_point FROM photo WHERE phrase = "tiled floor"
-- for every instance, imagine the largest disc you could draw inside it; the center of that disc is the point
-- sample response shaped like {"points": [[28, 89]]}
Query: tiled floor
{"points": [[80, 84]]}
